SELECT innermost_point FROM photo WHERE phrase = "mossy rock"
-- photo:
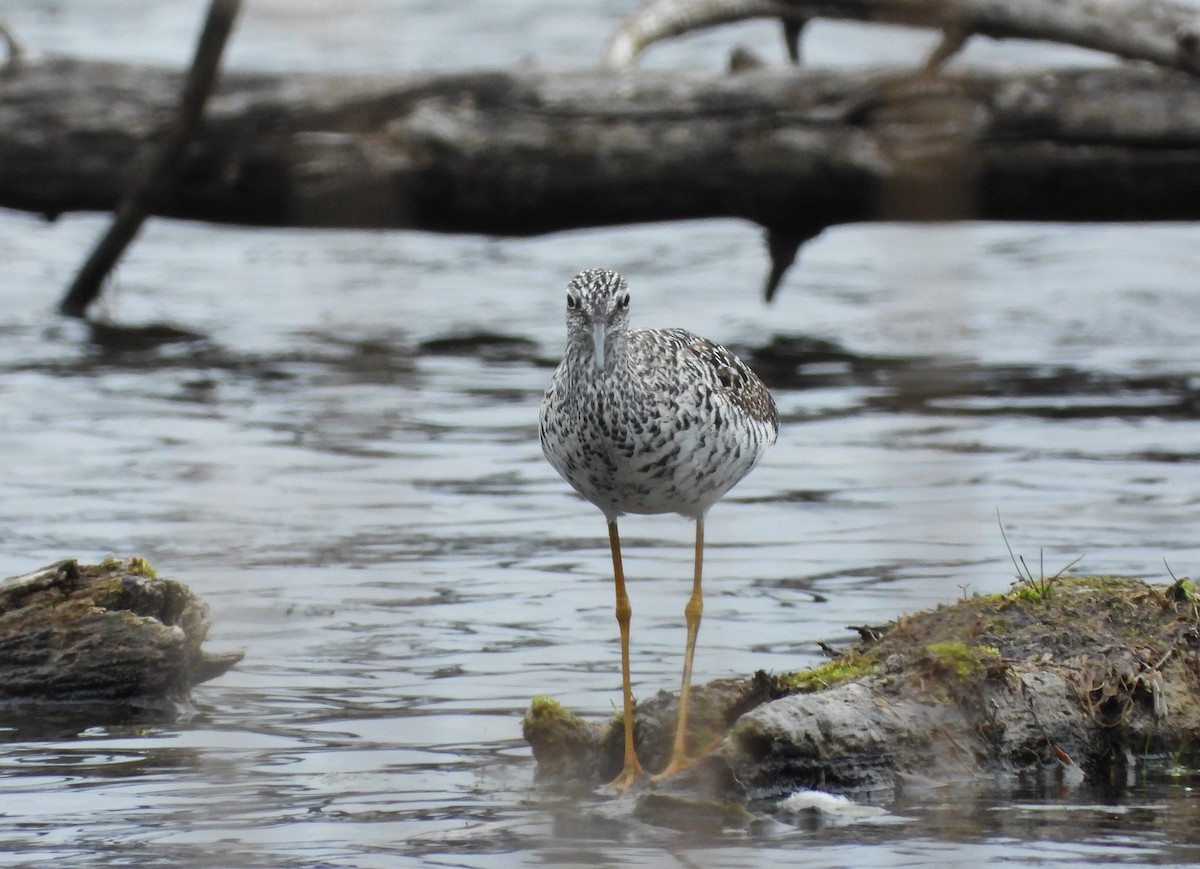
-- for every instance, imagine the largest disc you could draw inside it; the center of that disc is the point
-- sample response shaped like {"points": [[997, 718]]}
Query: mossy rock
{"points": [[1068, 673], [109, 632]]}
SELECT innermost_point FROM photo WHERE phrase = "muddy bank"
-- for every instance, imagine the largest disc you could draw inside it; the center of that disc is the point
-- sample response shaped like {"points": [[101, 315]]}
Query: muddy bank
{"points": [[1072, 677]]}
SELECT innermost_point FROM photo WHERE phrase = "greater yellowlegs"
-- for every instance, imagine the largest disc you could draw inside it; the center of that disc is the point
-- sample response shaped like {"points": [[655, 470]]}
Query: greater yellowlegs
{"points": [[649, 421]]}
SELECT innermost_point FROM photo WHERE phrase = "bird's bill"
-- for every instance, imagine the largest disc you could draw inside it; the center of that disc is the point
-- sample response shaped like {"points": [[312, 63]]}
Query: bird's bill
{"points": [[598, 335]]}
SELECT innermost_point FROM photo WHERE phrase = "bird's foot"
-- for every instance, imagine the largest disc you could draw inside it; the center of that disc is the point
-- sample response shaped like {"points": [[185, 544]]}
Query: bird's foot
{"points": [[680, 762], [627, 777], [674, 766]]}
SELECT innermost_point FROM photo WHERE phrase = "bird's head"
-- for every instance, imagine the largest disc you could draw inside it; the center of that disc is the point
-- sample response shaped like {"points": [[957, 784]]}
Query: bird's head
{"points": [[597, 312]]}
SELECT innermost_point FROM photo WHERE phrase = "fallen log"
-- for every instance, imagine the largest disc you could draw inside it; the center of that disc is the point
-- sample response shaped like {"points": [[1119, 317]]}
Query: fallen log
{"points": [[113, 633], [534, 151], [1071, 677]]}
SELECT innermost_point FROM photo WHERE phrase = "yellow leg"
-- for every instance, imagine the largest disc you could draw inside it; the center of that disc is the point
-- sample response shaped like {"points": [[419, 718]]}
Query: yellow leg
{"points": [[632, 770], [692, 612]]}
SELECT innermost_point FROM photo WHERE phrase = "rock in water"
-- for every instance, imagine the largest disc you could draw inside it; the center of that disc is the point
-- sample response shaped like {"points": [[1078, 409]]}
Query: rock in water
{"points": [[110, 632]]}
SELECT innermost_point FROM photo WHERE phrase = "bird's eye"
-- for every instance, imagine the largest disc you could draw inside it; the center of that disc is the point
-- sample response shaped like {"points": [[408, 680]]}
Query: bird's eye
{"points": [[624, 302], [572, 302]]}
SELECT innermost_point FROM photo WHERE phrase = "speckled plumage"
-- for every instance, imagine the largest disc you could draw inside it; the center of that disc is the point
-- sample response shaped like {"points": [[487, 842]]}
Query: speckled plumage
{"points": [[649, 421], [668, 425]]}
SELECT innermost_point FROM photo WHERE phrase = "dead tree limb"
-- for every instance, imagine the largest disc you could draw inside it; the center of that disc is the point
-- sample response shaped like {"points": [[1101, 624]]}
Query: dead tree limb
{"points": [[528, 152], [138, 204], [1163, 32], [534, 151]]}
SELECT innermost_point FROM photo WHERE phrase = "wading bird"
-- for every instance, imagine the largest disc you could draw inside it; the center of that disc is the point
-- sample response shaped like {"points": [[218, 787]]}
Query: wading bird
{"points": [[649, 421]]}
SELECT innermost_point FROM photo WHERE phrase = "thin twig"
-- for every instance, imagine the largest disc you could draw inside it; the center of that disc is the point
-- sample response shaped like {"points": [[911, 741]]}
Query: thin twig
{"points": [[1008, 545], [1069, 565]]}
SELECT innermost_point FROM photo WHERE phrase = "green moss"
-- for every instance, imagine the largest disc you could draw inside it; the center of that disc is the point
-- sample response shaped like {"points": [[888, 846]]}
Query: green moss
{"points": [[1040, 590], [1183, 590], [141, 567], [112, 564], [136, 565], [999, 625], [961, 660], [552, 723], [1106, 583], [845, 668], [545, 708]]}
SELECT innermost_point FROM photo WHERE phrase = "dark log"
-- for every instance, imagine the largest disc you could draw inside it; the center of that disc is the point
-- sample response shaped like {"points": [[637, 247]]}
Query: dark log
{"points": [[532, 151], [1058, 679], [114, 632]]}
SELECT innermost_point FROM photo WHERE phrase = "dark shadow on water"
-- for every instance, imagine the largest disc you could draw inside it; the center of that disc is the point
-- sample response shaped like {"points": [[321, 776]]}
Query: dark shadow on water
{"points": [[964, 387], [487, 346], [95, 347], [112, 340], [889, 384], [1146, 817], [30, 722]]}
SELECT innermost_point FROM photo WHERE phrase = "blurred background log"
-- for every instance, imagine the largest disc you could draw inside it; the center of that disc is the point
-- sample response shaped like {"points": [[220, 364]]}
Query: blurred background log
{"points": [[520, 153]]}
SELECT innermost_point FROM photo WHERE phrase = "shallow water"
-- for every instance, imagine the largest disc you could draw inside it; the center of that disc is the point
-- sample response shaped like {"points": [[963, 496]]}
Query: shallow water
{"points": [[336, 447]]}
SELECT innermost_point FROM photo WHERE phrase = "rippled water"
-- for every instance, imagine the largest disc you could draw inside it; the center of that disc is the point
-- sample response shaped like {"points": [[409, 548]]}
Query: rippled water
{"points": [[334, 444]]}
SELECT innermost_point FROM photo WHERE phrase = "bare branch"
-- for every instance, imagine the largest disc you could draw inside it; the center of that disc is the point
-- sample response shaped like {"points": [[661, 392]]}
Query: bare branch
{"points": [[137, 204], [1163, 32], [16, 51]]}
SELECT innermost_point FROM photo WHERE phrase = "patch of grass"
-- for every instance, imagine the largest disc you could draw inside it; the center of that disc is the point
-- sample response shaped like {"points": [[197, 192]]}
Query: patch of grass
{"points": [[1032, 592], [1029, 589], [845, 668], [1183, 591]]}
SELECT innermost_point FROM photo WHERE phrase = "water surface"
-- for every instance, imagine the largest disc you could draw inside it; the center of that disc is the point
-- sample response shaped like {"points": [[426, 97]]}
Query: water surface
{"points": [[334, 443]]}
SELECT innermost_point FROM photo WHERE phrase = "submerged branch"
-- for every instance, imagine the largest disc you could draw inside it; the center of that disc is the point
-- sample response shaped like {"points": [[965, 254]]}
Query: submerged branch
{"points": [[136, 205]]}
